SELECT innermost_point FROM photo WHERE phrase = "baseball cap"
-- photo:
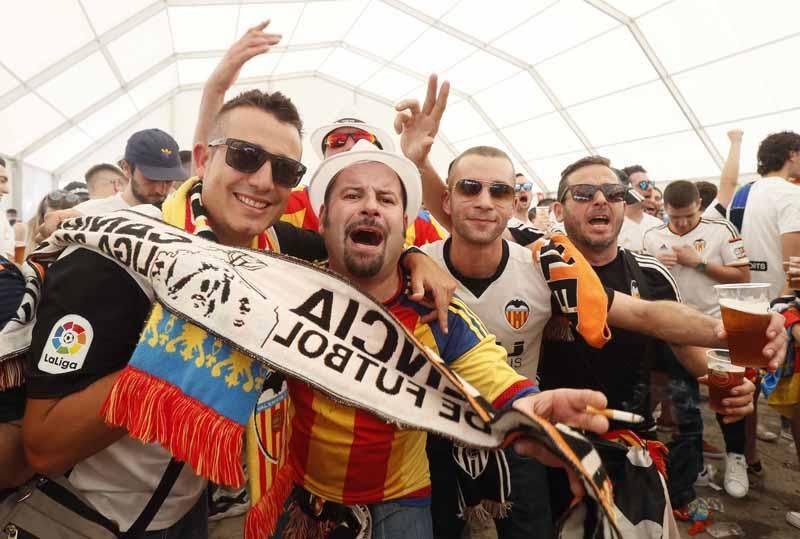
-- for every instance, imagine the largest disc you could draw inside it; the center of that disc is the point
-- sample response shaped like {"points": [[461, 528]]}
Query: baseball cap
{"points": [[365, 152], [155, 153], [349, 117]]}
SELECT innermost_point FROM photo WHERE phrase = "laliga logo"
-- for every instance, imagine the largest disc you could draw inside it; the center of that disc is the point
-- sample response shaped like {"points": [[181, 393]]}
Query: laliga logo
{"points": [[67, 345], [69, 338]]}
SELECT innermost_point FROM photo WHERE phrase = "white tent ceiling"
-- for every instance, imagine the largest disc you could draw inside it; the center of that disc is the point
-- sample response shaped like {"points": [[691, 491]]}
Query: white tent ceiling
{"points": [[647, 81]]}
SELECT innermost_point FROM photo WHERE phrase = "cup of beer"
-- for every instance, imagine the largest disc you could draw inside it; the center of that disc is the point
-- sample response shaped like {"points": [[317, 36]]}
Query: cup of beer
{"points": [[793, 272], [19, 252], [723, 376], [745, 315]]}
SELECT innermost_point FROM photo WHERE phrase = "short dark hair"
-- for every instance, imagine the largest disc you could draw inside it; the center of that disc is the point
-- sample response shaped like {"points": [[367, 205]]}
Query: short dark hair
{"points": [[773, 152], [275, 103], [2, 162], [708, 192], [633, 169], [79, 189], [680, 194], [482, 151], [102, 167], [577, 165]]}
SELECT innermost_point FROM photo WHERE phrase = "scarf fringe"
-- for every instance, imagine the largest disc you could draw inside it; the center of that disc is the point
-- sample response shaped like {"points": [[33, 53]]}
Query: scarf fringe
{"points": [[486, 511], [302, 526], [154, 410], [262, 518], [12, 373]]}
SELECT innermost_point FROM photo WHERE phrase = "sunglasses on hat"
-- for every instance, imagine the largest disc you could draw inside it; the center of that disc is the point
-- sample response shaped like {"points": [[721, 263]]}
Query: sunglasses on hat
{"points": [[497, 190], [337, 140], [584, 192], [527, 186], [249, 158]]}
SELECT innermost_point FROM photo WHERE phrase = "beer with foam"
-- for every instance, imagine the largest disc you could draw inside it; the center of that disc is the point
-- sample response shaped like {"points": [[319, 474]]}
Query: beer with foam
{"points": [[723, 376], [745, 315]]}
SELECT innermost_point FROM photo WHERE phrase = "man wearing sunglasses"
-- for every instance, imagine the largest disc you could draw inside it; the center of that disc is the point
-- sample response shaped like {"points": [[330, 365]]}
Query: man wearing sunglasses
{"points": [[637, 221], [591, 203], [365, 201]]}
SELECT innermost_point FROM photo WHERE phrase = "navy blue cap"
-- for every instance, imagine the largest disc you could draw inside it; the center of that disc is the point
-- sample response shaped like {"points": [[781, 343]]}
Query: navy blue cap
{"points": [[156, 155]]}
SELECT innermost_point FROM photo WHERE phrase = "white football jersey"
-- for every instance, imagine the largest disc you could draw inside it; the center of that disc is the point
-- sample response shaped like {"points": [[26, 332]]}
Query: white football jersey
{"points": [[515, 306], [631, 233], [715, 239]]}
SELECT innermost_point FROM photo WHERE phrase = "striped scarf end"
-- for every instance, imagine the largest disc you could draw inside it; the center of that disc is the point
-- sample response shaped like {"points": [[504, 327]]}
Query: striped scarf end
{"points": [[12, 373], [262, 518], [153, 410]]}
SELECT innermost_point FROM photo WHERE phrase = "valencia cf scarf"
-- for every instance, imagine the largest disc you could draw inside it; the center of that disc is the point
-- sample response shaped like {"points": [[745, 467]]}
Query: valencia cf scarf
{"points": [[226, 318]]}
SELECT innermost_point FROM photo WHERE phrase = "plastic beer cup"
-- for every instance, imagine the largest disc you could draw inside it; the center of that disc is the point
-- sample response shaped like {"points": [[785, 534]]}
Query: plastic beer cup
{"points": [[746, 316], [723, 376], [19, 252]]}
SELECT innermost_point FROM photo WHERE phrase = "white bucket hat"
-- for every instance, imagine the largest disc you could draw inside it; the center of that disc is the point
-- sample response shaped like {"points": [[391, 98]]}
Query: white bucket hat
{"points": [[364, 152], [349, 117]]}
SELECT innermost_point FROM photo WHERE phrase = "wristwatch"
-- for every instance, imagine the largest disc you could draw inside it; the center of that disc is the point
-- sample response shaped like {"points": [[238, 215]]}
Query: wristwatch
{"points": [[702, 265]]}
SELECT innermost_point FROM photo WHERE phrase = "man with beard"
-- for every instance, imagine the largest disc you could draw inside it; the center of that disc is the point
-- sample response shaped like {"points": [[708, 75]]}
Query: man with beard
{"points": [[502, 283], [151, 164], [591, 205], [342, 456]]}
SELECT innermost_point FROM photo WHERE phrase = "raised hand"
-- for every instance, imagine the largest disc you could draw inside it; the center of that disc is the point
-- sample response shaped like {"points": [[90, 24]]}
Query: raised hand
{"points": [[254, 42], [417, 126]]}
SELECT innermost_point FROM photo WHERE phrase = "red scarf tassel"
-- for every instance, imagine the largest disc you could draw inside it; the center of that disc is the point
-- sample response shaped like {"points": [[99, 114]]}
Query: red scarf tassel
{"points": [[153, 410]]}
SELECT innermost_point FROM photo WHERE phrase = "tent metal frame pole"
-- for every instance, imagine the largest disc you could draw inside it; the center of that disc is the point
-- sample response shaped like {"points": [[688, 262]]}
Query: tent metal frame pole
{"points": [[663, 74]]}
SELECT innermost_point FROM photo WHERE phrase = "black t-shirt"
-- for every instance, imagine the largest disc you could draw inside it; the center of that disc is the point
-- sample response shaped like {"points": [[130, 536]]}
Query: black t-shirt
{"points": [[88, 323], [92, 312], [525, 234], [621, 369], [300, 243]]}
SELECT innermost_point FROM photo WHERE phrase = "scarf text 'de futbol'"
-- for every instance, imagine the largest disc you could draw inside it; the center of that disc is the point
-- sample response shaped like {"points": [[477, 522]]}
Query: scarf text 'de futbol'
{"points": [[276, 313]]}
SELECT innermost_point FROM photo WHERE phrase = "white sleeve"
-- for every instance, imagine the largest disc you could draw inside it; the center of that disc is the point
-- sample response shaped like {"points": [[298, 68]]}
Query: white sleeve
{"points": [[789, 210], [715, 210], [732, 252]]}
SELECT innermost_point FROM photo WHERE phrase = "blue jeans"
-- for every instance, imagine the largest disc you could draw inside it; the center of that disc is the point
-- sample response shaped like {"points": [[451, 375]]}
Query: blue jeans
{"points": [[392, 520], [193, 525]]}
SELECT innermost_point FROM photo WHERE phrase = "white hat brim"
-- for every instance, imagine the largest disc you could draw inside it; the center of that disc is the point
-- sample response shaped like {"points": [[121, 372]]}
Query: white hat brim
{"points": [[362, 152], [318, 136]]}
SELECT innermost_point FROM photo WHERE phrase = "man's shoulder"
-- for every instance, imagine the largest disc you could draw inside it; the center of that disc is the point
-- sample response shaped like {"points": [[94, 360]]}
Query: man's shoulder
{"points": [[519, 253], [655, 272], [101, 205], [718, 226]]}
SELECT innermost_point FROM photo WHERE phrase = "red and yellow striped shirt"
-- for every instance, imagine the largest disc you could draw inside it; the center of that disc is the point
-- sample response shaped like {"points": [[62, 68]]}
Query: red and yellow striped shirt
{"points": [[350, 456]]}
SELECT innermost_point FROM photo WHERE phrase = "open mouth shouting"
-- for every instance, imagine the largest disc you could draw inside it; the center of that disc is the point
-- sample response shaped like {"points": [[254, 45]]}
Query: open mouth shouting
{"points": [[600, 222], [365, 236]]}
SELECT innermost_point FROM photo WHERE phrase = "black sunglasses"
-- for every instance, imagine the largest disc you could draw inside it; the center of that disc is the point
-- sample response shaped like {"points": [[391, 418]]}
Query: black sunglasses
{"points": [[248, 158], [497, 190], [584, 192]]}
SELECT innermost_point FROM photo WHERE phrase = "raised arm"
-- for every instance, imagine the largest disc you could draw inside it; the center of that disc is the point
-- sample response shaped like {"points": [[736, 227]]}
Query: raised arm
{"points": [[417, 128], [729, 178], [254, 42]]}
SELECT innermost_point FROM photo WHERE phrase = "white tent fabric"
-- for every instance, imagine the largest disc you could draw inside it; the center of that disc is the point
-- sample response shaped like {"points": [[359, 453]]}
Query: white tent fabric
{"points": [[655, 82]]}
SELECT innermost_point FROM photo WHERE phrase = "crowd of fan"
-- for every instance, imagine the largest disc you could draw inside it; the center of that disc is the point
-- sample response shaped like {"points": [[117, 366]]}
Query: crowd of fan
{"points": [[658, 252]]}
